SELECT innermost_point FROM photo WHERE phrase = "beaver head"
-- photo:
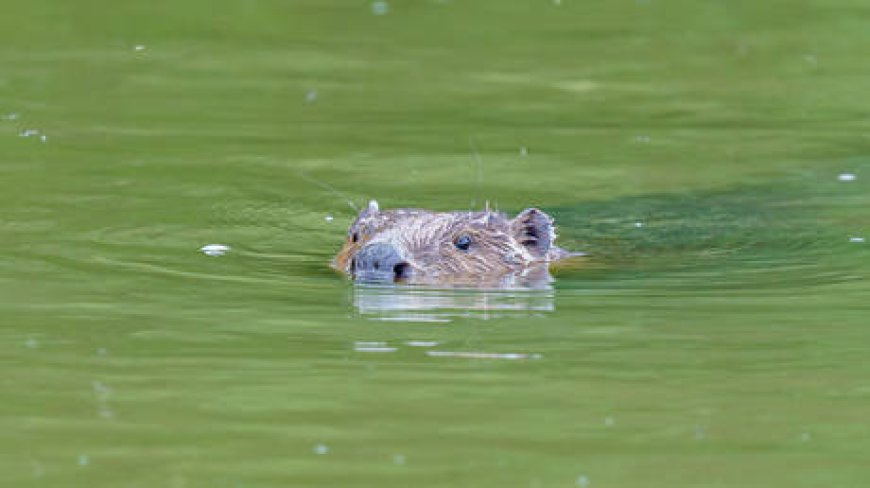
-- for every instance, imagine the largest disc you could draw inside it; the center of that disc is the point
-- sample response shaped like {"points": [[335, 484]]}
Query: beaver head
{"points": [[420, 246]]}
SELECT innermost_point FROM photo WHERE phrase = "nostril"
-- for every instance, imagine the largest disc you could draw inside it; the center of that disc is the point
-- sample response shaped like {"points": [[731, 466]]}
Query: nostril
{"points": [[377, 265], [353, 265], [401, 271]]}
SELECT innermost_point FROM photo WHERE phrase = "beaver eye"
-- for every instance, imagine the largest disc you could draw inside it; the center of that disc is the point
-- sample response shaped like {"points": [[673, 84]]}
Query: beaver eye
{"points": [[462, 242], [354, 237]]}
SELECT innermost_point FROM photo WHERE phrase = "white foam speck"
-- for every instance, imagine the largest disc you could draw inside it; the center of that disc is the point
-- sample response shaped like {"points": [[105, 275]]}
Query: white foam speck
{"points": [[380, 8], [28, 133], [43, 138], [422, 343], [856, 240], [638, 224], [846, 177], [321, 449], [11, 116], [214, 249], [329, 218], [139, 47]]}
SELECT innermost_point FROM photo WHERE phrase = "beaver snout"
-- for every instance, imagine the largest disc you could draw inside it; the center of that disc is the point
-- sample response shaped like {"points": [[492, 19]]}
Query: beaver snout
{"points": [[379, 262]]}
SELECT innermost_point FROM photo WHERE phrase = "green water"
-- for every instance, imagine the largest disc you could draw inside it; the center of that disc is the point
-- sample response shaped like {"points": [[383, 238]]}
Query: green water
{"points": [[717, 336]]}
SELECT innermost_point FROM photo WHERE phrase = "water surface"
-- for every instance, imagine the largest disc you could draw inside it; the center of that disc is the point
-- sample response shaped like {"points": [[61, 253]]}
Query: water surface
{"points": [[716, 335]]}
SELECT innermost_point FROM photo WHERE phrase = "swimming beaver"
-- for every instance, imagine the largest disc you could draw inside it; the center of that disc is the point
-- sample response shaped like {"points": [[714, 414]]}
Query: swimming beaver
{"points": [[419, 246]]}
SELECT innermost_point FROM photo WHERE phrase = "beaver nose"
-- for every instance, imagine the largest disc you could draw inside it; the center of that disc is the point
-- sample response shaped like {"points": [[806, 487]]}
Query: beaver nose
{"points": [[379, 262]]}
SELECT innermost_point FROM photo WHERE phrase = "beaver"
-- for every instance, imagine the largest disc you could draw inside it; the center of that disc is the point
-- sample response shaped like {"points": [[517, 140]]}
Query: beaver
{"points": [[420, 246]]}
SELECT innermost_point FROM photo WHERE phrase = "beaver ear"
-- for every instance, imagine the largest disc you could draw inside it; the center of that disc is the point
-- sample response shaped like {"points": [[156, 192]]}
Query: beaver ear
{"points": [[534, 230]]}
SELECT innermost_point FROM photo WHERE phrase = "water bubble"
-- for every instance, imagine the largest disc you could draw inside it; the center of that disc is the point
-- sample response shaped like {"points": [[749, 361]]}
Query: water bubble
{"points": [[582, 481], [84, 460], [28, 133], [638, 225], [380, 8], [856, 240], [43, 138], [422, 343], [329, 218], [321, 449], [311, 96], [214, 249], [846, 177], [139, 47]]}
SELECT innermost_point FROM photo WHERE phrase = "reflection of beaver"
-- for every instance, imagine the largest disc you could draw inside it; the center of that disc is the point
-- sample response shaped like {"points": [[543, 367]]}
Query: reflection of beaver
{"points": [[436, 247]]}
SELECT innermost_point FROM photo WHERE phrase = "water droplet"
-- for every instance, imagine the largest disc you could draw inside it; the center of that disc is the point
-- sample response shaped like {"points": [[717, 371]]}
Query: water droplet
{"points": [[846, 177], [380, 8], [84, 460], [43, 138], [582, 481], [139, 47], [329, 218], [422, 343], [321, 449], [856, 240], [638, 224], [28, 133], [214, 249]]}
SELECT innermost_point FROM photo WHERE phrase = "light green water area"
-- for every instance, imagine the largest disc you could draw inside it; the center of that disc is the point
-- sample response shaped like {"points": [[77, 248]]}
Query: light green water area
{"points": [[712, 157]]}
